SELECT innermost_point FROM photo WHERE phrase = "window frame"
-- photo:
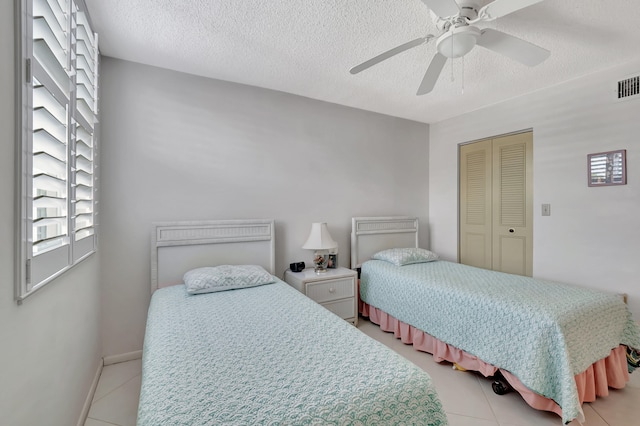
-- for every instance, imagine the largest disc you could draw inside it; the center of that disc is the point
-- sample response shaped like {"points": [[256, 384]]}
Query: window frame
{"points": [[73, 248]]}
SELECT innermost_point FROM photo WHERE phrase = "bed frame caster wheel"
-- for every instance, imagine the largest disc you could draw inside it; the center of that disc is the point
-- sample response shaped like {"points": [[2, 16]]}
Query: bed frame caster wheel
{"points": [[500, 385], [500, 388]]}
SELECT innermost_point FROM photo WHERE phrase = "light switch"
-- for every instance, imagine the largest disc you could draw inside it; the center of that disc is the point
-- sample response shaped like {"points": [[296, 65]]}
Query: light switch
{"points": [[546, 210]]}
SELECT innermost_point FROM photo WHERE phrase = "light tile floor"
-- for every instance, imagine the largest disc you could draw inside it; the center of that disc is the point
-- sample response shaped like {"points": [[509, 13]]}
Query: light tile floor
{"points": [[467, 397], [116, 399]]}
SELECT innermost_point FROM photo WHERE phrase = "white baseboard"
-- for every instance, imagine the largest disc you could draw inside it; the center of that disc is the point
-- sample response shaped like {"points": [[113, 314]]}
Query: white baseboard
{"points": [[129, 356], [87, 402], [108, 360]]}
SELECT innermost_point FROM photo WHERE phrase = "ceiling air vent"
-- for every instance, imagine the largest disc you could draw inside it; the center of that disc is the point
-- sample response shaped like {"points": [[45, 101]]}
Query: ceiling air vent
{"points": [[628, 88]]}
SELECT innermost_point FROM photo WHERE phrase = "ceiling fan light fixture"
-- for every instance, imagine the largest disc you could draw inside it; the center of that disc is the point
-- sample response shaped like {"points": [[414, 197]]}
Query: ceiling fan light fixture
{"points": [[457, 42], [456, 19]]}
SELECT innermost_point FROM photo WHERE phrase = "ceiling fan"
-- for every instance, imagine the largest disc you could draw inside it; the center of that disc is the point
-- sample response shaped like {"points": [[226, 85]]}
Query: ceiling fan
{"points": [[460, 35]]}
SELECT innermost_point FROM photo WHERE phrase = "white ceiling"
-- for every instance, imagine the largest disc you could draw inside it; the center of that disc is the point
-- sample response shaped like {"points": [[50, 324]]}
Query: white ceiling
{"points": [[306, 47]]}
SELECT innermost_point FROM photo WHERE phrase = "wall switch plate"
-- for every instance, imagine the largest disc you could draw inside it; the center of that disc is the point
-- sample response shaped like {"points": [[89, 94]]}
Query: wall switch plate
{"points": [[546, 210]]}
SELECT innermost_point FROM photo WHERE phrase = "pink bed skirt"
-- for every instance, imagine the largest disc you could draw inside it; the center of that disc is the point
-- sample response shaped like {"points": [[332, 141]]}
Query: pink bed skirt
{"points": [[594, 382]]}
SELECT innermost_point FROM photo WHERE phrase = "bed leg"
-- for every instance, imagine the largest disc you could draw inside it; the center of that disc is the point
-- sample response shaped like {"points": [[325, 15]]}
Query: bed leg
{"points": [[500, 385]]}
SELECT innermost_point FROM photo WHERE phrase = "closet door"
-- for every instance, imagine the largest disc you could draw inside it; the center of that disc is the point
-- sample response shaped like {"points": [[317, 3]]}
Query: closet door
{"points": [[475, 204], [496, 206], [512, 233]]}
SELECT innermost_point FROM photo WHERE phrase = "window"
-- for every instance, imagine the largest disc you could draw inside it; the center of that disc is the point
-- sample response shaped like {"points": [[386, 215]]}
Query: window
{"points": [[58, 147]]}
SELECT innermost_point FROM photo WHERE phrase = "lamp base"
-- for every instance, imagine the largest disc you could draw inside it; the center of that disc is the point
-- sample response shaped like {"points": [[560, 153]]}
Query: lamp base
{"points": [[319, 270], [320, 259]]}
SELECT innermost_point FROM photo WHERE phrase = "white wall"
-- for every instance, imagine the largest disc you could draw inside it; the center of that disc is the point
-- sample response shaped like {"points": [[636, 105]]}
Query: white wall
{"points": [[181, 147], [592, 236], [50, 345]]}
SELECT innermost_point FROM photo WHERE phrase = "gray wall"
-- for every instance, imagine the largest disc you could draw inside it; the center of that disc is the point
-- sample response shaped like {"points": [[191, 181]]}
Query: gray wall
{"points": [[50, 345], [591, 238], [181, 147]]}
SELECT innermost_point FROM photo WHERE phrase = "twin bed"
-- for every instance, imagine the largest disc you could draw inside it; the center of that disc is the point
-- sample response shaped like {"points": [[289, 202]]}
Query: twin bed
{"points": [[262, 354], [557, 345]]}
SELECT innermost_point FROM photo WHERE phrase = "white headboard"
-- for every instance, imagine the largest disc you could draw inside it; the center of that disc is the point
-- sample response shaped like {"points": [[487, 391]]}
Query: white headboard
{"points": [[369, 235], [177, 247]]}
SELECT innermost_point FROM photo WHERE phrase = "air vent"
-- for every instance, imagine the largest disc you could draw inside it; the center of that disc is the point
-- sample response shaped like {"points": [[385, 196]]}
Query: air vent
{"points": [[628, 88]]}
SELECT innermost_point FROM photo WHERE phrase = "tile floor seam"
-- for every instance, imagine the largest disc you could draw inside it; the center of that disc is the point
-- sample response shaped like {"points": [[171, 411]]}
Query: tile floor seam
{"points": [[102, 421], [472, 417], [599, 415], [484, 393], [115, 389], [486, 398]]}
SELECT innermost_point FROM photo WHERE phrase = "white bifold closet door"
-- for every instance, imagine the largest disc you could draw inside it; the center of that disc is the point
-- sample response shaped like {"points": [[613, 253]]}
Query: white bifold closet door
{"points": [[496, 204]]}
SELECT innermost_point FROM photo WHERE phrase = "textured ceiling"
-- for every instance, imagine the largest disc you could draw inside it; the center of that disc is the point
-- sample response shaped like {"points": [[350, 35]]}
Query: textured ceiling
{"points": [[306, 47]]}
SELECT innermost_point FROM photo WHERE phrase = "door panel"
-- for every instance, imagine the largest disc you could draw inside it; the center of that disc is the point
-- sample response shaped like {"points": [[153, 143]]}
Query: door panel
{"points": [[512, 204], [510, 254], [476, 249], [475, 204]]}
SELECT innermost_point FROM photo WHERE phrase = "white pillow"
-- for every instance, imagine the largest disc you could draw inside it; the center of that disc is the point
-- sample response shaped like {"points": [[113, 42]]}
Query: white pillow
{"points": [[225, 277], [406, 256]]}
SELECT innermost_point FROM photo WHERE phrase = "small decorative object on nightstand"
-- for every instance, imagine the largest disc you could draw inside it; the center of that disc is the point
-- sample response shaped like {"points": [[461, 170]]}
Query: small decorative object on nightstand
{"points": [[333, 261], [321, 242], [335, 290]]}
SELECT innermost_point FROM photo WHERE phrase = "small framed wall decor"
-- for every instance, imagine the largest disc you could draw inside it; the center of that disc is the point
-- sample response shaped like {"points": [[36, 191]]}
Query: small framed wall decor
{"points": [[607, 168]]}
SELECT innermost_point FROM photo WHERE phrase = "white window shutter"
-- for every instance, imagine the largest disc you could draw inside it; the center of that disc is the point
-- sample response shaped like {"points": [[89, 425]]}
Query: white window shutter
{"points": [[84, 152], [58, 199]]}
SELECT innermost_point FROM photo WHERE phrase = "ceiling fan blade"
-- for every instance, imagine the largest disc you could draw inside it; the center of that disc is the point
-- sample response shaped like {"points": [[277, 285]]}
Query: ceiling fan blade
{"points": [[389, 53], [443, 8], [499, 8], [432, 74], [512, 47]]}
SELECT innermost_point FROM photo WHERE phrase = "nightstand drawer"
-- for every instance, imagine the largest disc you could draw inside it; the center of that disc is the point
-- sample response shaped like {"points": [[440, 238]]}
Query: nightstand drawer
{"points": [[343, 308], [334, 289], [325, 291]]}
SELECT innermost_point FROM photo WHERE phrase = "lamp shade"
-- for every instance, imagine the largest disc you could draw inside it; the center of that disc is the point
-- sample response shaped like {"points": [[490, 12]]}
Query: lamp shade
{"points": [[319, 238]]}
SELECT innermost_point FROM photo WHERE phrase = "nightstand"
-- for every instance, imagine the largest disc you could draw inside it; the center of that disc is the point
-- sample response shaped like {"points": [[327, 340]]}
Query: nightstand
{"points": [[334, 289]]}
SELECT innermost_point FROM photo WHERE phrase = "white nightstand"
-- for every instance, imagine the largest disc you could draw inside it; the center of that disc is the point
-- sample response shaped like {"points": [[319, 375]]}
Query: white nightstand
{"points": [[334, 289]]}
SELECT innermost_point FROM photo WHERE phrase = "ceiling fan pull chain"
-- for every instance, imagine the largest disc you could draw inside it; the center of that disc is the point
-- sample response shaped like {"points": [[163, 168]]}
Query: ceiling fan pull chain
{"points": [[452, 61], [462, 75]]}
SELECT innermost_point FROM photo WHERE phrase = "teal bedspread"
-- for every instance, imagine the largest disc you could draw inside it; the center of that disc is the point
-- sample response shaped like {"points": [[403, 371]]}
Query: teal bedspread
{"points": [[543, 332], [269, 355]]}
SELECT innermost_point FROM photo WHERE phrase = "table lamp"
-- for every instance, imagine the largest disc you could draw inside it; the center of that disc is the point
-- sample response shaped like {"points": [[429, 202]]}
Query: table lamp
{"points": [[321, 242]]}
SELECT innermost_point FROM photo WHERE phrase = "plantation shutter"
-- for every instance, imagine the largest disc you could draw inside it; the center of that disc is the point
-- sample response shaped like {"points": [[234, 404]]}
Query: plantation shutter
{"points": [[85, 120], [60, 110], [51, 104]]}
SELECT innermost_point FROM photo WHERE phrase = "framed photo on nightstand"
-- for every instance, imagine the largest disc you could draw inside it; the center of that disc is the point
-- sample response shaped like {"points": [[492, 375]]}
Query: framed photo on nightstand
{"points": [[333, 261]]}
